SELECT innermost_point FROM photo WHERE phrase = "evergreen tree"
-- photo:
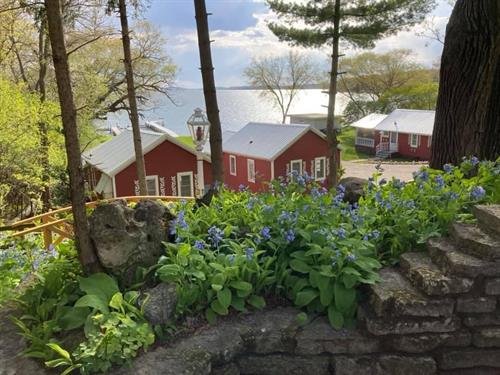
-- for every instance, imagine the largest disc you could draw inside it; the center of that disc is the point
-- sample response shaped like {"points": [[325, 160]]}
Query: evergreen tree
{"points": [[356, 22]]}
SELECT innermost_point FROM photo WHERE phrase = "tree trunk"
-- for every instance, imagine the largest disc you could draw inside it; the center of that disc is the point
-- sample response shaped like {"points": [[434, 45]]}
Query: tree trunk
{"points": [[43, 55], [86, 252], [207, 74], [468, 112], [132, 100], [331, 133]]}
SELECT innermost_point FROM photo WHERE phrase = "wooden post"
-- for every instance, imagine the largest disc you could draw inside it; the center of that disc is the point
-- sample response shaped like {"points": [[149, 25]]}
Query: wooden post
{"points": [[47, 233]]}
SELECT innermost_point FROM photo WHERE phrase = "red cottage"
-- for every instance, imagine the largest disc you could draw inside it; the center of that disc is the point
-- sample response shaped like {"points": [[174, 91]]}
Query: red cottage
{"points": [[170, 166], [261, 152], [404, 132]]}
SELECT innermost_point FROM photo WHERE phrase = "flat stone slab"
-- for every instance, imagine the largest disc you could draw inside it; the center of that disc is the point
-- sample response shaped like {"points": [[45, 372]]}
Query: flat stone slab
{"points": [[394, 295], [427, 342], [277, 364], [384, 365], [472, 240], [429, 278], [487, 337], [468, 358], [476, 304], [488, 217], [456, 263], [492, 287]]}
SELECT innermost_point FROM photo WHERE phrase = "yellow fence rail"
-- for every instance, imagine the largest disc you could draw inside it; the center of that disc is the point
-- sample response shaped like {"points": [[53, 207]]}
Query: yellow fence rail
{"points": [[56, 225]]}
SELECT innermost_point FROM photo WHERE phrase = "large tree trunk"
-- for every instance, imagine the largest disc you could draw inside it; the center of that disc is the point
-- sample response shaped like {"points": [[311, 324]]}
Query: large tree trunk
{"points": [[331, 133], [43, 55], [207, 74], [132, 100], [86, 253], [468, 111]]}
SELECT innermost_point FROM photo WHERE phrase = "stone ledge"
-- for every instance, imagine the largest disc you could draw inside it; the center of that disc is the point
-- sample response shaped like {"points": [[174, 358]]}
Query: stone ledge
{"points": [[427, 342], [476, 304], [487, 337], [469, 358]]}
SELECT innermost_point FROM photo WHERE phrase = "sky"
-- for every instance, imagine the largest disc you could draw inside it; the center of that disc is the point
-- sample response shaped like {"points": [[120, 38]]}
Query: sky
{"points": [[239, 31]]}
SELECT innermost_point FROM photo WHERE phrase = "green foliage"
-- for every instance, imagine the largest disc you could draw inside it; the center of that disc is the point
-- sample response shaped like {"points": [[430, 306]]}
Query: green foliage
{"points": [[304, 243]]}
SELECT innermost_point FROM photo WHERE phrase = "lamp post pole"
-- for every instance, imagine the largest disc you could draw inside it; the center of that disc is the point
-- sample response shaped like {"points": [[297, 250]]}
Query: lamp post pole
{"points": [[201, 178]]}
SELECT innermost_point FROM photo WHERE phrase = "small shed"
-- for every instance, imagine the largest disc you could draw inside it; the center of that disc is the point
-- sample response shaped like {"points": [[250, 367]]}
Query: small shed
{"points": [[170, 166], [261, 152]]}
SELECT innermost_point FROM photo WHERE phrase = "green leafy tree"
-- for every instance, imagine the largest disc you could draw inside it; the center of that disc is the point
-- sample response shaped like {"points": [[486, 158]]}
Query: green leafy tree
{"points": [[356, 22]]}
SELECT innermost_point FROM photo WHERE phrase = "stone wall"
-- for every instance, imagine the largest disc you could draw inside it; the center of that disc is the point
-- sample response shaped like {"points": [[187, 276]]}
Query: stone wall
{"points": [[438, 313]]}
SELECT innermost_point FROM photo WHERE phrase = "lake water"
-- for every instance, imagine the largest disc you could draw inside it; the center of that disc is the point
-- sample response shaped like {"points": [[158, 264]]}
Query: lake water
{"points": [[237, 108]]}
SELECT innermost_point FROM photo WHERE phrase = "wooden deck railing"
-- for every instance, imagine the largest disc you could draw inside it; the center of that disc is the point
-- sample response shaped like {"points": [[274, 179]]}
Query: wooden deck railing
{"points": [[57, 225]]}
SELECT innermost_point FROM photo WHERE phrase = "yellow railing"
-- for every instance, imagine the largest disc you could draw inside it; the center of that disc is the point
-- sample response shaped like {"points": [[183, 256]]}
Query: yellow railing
{"points": [[54, 224]]}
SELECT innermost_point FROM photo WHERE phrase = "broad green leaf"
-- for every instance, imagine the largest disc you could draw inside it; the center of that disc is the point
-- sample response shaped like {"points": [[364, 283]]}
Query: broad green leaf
{"points": [[326, 296], [93, 301], [218, 308], [168, 272], [217, 287], [305, 297], [210, 315], [116, 301], [299, 266], [224, 297], [241, 285], [349, 281], [73, 318], [335, 318], [184, 249], [257, 301], [99, 284], [344, 297], [238, 303]]}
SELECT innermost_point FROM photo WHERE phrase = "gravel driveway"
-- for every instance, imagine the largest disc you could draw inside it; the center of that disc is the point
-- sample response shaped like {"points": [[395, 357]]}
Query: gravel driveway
{"points": [[364, 170]]}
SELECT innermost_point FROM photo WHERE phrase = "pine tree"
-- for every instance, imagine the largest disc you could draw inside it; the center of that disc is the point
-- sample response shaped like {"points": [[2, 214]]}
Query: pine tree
{"points": [[359, 23]]}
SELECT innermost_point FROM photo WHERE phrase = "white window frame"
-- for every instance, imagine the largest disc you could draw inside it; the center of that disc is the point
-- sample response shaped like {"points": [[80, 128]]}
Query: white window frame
{"points": [[155, 178], [395, 135], [232, 158], [414, 145], [429, 141], [251, 167], [299, 161], [182, 174], [316, 161]]}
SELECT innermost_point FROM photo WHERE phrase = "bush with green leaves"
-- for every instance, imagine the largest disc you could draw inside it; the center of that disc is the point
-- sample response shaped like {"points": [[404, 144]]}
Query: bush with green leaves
{"points": [[304, 243]]}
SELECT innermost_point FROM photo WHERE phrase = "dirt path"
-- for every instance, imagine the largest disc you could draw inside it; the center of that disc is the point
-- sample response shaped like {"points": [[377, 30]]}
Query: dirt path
{"points": [[364, 170]]}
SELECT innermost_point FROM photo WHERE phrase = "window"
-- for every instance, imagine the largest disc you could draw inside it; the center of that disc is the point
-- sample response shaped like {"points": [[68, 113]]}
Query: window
{"points": [[152, 185], [414, 140], [232, 165], [320, 168], [251, 170], [296, 167], [394, 137], [429, 142], [185, 184]]}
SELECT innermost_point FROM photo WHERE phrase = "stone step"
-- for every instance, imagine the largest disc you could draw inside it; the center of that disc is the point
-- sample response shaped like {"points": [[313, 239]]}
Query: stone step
{"points": [[472, 240], [395, 296], [454, 262], [488, 218], [429, 278]]}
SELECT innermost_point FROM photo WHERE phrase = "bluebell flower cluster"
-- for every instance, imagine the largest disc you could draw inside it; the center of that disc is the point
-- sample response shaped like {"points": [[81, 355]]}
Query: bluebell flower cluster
{"points": [[200, 245], [215, 236], [289, 235], [266, 233], [351, 257], [477, 192], [439, 181], [448, 168], [250, 253]]}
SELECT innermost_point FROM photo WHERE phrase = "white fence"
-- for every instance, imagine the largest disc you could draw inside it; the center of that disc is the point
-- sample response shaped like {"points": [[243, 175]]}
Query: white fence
{"points": [[366, 142]]}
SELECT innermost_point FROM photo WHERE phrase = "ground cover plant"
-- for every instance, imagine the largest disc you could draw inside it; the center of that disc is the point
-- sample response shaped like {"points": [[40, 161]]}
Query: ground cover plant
{"points": [[297, 241]]}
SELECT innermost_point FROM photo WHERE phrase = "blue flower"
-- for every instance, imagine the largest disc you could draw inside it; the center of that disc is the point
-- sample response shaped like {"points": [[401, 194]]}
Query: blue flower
{"points": [[301, 181], [199, 245], [439, 181], [351, 257], [289, 235], [249, 253], [216, 235], [448, 168], [477, 193], [267, 208], [251, 202], [231, 259], [375, 234], [422, 175], [382, 182], [410, 203], [378, 196], [341, 188], [242, 187], [474, 160], [341, 233], [266, 233]]}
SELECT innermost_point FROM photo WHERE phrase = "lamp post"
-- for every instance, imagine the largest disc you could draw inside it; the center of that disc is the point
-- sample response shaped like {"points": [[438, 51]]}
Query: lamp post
{"points": [[199, 128]]}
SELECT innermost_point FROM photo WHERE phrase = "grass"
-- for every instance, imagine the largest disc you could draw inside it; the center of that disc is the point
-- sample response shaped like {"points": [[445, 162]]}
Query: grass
{"points": [[186, 139], [346, 139]]}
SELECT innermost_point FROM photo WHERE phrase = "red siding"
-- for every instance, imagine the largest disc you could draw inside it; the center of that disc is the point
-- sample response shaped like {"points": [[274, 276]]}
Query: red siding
{"points": [[307, 148], [262, 171], [165, 160], [422, 152]]}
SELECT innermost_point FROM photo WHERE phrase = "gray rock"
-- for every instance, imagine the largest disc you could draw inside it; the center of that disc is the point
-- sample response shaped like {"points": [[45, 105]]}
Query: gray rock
{"points": [[401, 365], [127, 238], [488, 217], [363, 365], [476, 304], [395, 296], [279, 364], [475, 242], [469, 358], [455, 262], [492, 287], [160, 303], [487, 337], [354, 188], [427, 342], [429, 278], [320, 337], [478, 320], [229, 369]]}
